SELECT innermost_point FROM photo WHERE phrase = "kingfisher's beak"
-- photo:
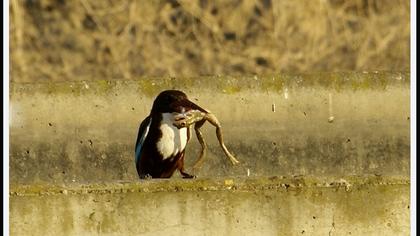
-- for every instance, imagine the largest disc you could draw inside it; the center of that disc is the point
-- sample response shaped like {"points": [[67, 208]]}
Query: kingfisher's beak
{"points": [[186, 105]]}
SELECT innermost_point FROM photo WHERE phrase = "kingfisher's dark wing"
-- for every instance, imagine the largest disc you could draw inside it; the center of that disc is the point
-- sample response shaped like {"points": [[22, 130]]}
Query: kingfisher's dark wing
{"points": [[143, 131]]}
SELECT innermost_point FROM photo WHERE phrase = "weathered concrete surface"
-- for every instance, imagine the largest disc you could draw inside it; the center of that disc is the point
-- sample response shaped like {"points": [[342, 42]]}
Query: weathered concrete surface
{"points": [[240, 206], [85, 131]]}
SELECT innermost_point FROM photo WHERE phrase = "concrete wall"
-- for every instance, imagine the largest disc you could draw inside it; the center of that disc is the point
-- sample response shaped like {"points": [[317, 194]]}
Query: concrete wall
{"points": [[72, 165], [261, 206], [85, 131]]}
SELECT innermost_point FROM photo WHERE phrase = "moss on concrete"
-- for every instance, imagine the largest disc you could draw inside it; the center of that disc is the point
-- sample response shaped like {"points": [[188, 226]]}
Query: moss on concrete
{"points": [[150, 86], [214, 184]]}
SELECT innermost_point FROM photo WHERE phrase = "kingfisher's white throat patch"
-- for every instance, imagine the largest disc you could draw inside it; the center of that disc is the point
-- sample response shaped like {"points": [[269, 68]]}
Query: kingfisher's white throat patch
{"points": [[173, 140]]}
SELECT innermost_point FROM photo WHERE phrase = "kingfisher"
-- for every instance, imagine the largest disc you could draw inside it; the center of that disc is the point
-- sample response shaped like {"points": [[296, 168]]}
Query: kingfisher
{"points": [[160, 146]]}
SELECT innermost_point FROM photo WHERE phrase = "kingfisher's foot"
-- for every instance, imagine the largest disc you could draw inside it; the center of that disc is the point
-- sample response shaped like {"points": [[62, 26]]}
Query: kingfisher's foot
{"points": [[146, 176], [187, 176]]}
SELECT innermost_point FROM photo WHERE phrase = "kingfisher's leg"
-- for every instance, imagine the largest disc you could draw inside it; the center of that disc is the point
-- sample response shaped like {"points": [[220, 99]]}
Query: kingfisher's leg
{"points": [[181, 169]]}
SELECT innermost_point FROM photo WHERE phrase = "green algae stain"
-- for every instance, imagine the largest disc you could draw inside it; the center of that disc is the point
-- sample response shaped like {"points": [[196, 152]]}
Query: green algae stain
{"points": [[274, 83], [151, 86], [148, 87], [104, 86], [231, 89]]}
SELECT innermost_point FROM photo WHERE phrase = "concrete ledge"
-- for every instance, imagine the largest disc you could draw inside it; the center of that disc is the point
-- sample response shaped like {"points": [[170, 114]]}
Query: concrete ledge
{"points": [[276, 125], [213, 184], [367, 205]]}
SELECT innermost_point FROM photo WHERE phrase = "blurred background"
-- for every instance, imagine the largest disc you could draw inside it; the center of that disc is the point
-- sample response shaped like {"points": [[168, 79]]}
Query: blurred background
{"points": [[56, 40]]}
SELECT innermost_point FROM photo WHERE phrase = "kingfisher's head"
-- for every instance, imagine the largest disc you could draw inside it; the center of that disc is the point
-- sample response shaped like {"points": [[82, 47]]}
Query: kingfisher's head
{"points": [[173, 101]]}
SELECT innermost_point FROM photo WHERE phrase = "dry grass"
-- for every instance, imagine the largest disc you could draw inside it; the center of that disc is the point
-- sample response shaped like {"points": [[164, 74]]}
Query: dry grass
{"points": [[90, 39]]}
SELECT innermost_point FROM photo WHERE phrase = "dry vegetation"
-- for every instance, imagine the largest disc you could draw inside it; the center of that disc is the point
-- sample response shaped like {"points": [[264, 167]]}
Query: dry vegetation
{"points": [[91, 39]]}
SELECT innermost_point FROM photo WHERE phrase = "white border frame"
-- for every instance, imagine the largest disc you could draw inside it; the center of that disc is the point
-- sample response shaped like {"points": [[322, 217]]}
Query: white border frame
{"points": [[6, 116]]}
